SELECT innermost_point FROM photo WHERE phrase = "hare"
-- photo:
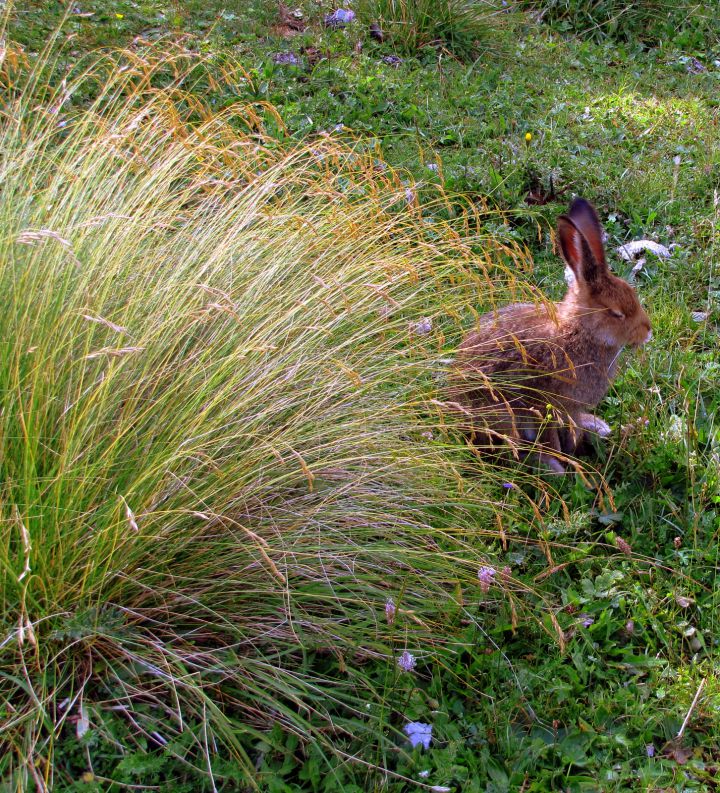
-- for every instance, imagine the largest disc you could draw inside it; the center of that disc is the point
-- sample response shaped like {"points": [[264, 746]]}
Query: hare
{"points": [[531, 374]]}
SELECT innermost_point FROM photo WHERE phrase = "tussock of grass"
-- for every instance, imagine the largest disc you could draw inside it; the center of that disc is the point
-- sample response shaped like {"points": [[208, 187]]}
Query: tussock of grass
{"points": [[647, 20], [463, 27], [216, 378]]}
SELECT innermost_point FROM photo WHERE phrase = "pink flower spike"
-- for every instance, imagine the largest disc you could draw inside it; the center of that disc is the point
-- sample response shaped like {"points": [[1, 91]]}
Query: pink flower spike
{"points": [[486, 576]]}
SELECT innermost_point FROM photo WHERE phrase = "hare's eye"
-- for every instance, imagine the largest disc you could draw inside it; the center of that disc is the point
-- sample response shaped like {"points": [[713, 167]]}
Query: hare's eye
{"points": [[616, 314]]}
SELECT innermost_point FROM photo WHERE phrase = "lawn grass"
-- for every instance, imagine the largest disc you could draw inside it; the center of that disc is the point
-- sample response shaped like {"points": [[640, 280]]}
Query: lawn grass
{"points": [[512, 706]]}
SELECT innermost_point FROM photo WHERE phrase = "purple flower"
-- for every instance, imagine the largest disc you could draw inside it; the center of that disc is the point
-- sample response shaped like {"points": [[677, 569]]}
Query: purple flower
{"points": [[286, 59], [650, 750], [390, 610], [486, 576], [422, 327], [587, 620], [406, 661], [384, 312], [419, 733], [339, 18], [508, 485]]}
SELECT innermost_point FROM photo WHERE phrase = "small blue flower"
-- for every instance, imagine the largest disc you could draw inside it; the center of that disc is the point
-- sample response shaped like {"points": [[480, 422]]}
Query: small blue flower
{"points": [[508, 485], [419, 733]]}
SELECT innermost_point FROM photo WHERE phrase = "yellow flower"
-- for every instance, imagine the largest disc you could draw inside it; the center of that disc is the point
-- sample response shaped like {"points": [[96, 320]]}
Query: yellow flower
{"points": [[528, 137], [119, 16]]}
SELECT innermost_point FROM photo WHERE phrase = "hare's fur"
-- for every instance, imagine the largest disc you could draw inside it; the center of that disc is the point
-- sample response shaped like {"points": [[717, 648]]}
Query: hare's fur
{"points": [[531, 375]]}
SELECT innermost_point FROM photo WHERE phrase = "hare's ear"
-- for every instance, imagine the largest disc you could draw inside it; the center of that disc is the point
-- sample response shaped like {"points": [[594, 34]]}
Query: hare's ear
{"points": [[576, 251], [586, 220]]}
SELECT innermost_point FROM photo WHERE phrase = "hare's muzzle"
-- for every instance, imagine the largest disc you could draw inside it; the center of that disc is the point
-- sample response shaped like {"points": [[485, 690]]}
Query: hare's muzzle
{"points": [[643, 333]]}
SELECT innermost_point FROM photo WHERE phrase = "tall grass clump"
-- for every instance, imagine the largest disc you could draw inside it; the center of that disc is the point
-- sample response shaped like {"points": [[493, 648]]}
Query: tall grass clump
{"points": [[465, 27], [218, 368]]}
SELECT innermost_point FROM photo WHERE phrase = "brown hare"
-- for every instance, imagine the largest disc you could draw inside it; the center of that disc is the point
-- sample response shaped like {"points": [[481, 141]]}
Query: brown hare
{"points": [[532, 374]]}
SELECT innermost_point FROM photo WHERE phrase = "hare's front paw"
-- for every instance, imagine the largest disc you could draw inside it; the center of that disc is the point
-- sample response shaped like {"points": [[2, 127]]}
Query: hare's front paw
{"points": [[593, 424], [555, 466]]}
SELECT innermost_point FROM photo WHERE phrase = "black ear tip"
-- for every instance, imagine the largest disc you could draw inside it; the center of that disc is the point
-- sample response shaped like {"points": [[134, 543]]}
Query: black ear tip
{"points": [[585, 215], [581, 205]]}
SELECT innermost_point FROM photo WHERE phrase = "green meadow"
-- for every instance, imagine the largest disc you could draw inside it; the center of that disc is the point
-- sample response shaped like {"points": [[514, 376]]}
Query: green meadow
{"points": [[244, 542]]}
